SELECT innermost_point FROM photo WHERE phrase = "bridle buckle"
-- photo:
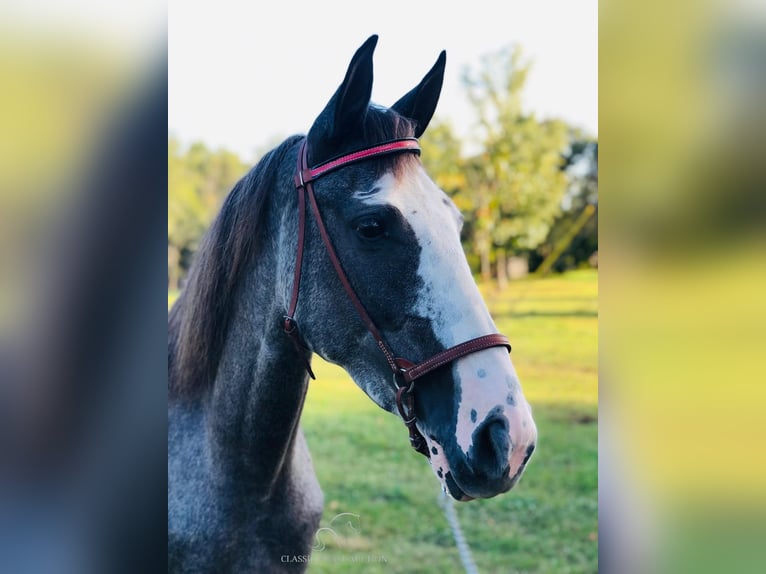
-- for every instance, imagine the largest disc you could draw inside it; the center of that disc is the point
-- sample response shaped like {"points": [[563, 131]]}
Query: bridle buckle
{"points": [[405, 401], [290, 326], [400, 380]]}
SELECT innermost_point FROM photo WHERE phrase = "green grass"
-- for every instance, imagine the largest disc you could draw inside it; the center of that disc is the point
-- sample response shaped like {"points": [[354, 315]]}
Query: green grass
{"points": [[548, 523]]}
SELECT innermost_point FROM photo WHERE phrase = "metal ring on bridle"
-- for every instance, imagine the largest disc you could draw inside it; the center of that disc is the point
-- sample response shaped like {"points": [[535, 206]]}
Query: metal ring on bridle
{"points": [[410, 388]]}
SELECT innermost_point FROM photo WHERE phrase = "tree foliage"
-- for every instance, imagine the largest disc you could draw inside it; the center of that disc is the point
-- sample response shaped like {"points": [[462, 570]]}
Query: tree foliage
{"points": [[526, 187], [198, 180], [573, 238], [516, 183]]}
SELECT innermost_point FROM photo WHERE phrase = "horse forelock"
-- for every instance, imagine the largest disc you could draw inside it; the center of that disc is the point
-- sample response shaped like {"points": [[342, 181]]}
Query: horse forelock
{"points": [[382, 123], [199, 320]]}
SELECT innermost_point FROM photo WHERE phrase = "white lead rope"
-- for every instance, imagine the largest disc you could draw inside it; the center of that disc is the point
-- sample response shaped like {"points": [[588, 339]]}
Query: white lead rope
{"points": [[462, 546]]}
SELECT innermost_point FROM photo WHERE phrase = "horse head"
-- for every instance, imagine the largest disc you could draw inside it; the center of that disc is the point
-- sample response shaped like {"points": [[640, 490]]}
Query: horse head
{"points": [[397, 236]]}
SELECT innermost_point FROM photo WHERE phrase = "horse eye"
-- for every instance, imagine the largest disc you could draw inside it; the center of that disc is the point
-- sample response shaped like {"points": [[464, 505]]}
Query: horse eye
{"points": [[370, 228]]}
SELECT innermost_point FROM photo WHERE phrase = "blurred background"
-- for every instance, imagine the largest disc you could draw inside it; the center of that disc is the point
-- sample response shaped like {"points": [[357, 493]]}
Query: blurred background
{"points": [[682, 88], [680, 270], [83, 178]]}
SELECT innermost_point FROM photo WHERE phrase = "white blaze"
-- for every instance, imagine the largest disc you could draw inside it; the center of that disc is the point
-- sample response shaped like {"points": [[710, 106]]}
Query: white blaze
{"points": [[450, 299]]}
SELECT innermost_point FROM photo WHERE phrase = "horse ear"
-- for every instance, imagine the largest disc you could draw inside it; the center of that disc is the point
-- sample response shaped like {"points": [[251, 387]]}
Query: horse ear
{"points": [[345, 112], [420, 103]]}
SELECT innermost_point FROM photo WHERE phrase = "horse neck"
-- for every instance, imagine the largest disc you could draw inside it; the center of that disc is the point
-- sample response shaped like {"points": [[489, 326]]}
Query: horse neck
{"points": [[257, 398]]}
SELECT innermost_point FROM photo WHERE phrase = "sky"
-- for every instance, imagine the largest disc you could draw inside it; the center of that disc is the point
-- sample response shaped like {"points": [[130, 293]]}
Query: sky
{"points": [[244, 75]]}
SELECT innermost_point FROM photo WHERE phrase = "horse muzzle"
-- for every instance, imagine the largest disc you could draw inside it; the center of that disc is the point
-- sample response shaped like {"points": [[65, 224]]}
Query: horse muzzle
{"points": [[493, 464]]}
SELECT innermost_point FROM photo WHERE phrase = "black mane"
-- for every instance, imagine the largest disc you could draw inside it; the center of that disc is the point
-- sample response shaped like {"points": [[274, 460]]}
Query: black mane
{"points": [[198, 321]]}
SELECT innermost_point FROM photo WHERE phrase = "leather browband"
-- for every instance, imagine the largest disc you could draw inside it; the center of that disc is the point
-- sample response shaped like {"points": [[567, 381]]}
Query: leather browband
{"points": [[306, 175], [405, 372]]}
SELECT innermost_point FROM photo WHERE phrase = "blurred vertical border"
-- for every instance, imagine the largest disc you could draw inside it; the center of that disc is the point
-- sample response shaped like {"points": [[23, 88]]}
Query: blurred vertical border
{"points": [[682, 87], [83, 177]]}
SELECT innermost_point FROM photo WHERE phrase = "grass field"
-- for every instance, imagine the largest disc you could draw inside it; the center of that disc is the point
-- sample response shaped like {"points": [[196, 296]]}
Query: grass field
{"points": [[388, 498], [382, 510]]}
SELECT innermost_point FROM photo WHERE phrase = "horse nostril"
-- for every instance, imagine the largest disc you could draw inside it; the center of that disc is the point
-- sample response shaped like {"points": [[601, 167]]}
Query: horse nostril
{"points": [[491, 446], [530, 450]]}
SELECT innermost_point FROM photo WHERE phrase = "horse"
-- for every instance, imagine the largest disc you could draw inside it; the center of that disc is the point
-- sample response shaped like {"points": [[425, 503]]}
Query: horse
{"points": [[270, 285]]}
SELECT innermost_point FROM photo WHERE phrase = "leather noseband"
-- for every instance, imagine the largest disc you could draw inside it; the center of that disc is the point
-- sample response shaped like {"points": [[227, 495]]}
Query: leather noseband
{"points": [[405, 372]]}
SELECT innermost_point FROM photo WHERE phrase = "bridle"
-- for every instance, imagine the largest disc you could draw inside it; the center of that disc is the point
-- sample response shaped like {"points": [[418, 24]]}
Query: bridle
{"points": [[405, 372]]}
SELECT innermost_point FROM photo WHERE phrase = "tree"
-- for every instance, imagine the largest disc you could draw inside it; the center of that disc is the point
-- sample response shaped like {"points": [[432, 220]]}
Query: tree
{"points": [[187, 218], [198, 180], [442, 157], [574, 235], [516, 182]]}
